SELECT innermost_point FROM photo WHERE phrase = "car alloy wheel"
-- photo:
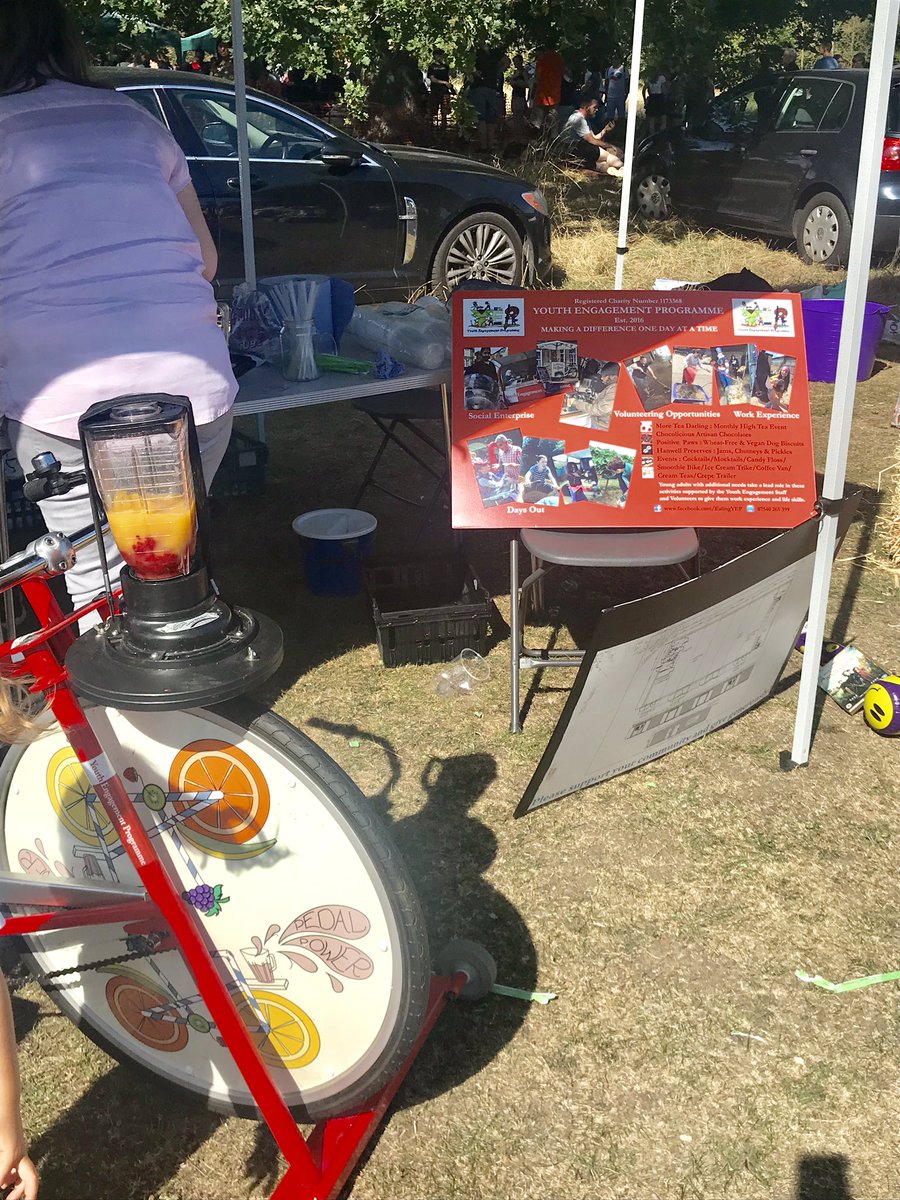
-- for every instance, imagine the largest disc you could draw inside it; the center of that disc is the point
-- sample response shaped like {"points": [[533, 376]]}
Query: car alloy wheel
{"points": [[821, 233], [483, 251], [653, 197]]}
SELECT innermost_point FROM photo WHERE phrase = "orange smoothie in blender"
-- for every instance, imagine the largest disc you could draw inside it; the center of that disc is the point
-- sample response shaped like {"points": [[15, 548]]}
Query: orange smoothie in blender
{"points": [[156, 534]]}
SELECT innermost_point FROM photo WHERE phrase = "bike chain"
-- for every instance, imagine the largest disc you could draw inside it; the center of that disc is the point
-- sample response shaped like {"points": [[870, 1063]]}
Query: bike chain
{"points": [[46, 978]]}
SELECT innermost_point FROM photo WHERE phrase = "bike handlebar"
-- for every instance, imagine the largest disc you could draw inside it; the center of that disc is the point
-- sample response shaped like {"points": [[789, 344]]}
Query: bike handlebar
{"points": [[45, 555]]}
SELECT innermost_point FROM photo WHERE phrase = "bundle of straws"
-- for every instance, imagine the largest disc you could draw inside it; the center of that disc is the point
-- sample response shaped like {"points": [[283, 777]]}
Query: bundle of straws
{"points": [[294, 301]]}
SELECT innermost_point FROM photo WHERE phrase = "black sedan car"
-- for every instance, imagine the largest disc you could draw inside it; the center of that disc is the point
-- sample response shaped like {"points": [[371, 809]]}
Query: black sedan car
{"points": [[391, 218], [779, 157]]}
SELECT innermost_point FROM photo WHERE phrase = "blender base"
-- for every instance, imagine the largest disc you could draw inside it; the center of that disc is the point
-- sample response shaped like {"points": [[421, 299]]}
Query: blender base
{"points": [[104, 668]]}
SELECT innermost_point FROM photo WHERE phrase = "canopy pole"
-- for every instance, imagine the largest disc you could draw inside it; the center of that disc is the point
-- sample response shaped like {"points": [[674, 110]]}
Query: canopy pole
{"points": [[243, 143], [867, 184], [630, 128]]}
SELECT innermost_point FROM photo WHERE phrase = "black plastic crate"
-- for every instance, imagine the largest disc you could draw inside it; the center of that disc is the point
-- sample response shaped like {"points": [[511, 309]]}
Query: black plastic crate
{"points": [[427, 610], [243, 469], [21, 515]]}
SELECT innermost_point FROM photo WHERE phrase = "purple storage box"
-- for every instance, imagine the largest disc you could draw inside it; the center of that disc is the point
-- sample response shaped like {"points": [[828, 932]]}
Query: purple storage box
{"points": [[822, 331]]}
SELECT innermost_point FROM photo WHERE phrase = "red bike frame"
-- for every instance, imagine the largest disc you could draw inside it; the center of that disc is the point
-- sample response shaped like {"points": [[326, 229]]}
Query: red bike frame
{"points": [[317, 1168]]}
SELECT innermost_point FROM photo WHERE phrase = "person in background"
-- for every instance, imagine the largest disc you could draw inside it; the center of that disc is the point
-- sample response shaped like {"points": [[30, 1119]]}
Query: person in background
{"points": [[776, 387], [691, 367], [502, 452], [826, 60], [118, 300], [548, 74], [482, 95], [200, 63], [224, 67], [499, 73], [621, 470], [578, 139], [439, 88], [642, 374], [656, 93], [615, 86], [539, 480], [859, 63], [789, 59], [509, 484], [568, 98], [263, 80], [487, 483], [575, 482], [518, 85], [698, 92], [16, 1168]]}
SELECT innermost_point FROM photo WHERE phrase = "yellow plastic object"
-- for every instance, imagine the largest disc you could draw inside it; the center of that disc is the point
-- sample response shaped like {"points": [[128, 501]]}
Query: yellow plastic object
{"points": [[881, 706]]}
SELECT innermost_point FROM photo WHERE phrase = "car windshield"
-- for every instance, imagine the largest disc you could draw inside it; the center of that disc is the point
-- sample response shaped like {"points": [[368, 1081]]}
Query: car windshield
{"points": [[271, 132]]}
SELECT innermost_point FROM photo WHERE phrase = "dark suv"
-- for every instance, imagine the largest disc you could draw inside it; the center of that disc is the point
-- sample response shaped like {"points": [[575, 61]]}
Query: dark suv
{"points": [[778, 157]]}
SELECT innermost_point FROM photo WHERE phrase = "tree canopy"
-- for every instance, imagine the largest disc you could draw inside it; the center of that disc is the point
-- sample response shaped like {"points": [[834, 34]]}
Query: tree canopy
{"points": [[724, 38]]}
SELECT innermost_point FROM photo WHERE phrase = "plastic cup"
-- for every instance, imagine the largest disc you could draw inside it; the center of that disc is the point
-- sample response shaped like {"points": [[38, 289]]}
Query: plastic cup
{"points": [[462, 676]]}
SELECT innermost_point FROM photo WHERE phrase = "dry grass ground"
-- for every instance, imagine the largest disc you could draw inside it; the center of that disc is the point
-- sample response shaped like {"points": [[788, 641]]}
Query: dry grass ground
{"points": [[669, 908]]}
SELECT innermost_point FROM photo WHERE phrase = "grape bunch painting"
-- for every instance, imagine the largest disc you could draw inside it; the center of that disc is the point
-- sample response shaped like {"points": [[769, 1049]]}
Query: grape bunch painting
{"points": [[206, 899]]}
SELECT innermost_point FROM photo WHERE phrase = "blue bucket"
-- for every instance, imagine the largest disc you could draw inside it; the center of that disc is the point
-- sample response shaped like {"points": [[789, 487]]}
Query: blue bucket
{"points": [[334, 543], [822, 332]]}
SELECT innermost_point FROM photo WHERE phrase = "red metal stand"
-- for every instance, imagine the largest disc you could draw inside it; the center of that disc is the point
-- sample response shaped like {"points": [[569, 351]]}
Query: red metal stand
{"points": [[318, 1167], [336, 1145]]}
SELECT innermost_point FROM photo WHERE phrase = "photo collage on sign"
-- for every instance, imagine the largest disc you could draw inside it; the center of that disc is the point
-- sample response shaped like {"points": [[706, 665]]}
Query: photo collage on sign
{"points": [[692, 375], [601, 474], [510, 469], [496, 379], [648, 406], [742, 373], [746, 374], [651, 374], [590, 403]]}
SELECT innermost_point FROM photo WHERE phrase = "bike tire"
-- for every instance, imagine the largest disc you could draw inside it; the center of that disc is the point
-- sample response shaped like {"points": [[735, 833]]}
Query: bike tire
{"points": [[341, 818]]}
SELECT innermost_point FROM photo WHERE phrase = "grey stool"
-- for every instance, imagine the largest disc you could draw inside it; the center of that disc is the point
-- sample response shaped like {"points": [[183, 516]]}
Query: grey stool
{"points": [[577, 548]]}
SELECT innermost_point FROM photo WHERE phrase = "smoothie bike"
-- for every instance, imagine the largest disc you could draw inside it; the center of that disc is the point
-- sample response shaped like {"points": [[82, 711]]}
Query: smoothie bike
{"points": [[207, 892]]}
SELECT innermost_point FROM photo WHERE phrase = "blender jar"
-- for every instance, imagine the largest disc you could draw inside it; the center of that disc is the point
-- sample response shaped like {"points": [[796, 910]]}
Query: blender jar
{"points": [[138, 452]]}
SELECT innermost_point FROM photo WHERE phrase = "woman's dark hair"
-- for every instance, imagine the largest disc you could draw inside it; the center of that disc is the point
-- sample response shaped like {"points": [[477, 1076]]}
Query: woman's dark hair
{"points": [[39, 41]]}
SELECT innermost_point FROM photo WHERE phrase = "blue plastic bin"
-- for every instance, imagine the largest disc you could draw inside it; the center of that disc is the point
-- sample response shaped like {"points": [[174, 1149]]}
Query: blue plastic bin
{"points": [[334, 543], [822, 332]]}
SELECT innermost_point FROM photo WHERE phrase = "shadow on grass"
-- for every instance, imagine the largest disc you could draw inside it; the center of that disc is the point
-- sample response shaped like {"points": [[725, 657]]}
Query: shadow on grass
{"points": [[823, 1177], [448, 852], [120, 1119]]}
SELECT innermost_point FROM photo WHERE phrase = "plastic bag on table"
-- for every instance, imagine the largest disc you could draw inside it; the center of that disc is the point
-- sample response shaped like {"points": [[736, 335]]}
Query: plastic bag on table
{"points": [[409, 333], [255, 327]]}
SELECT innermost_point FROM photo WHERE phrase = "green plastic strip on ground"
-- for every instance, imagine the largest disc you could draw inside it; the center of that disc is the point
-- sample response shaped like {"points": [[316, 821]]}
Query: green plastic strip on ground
{"points": [[849, 985], [518, 994]]}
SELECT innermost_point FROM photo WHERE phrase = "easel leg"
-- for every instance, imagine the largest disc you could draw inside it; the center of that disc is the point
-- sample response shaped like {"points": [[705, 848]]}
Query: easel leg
{"points": [[515, 636]]}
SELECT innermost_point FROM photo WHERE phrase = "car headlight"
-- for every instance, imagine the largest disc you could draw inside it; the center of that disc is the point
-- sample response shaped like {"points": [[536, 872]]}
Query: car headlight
{"points": [[536, 201]]}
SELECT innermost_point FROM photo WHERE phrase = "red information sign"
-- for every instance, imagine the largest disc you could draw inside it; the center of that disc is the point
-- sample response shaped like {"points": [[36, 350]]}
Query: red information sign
{"points": [[590, 409]]}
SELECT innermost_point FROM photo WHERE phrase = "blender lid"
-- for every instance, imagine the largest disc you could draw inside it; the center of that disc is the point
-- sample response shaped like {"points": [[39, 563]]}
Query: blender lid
{"points": [[145, 409]]}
